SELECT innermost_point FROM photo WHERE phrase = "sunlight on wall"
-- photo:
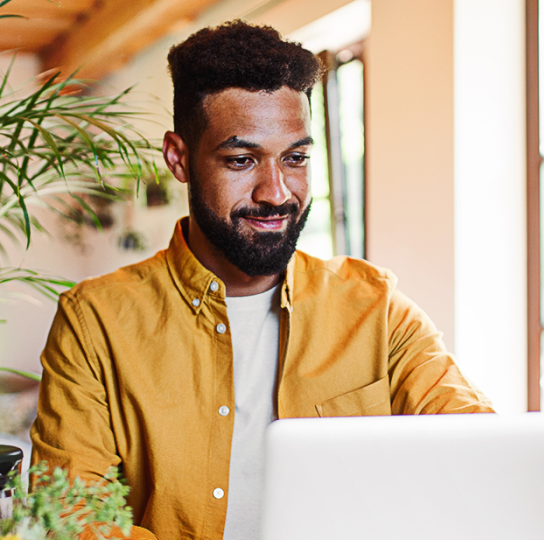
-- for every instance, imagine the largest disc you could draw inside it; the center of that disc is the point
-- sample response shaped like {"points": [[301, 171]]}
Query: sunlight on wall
{"points": [[490, 176], [342, 27], [409, 149]]}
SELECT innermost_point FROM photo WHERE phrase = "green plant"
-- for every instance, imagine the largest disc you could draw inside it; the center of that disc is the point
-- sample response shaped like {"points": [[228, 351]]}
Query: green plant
{"points": [[58, 145], [8, 15], [59, 510]]}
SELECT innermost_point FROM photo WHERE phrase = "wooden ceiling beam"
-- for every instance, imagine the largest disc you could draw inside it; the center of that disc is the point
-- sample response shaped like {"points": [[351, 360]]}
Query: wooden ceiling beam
{"points": [[115, 31], [30, 35], [42, 9]]}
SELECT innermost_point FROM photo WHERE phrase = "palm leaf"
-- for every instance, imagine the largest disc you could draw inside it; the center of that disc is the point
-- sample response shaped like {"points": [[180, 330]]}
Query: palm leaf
{"points": [[59, 145], [10, 66], [28, 374], [49, 140], [77, 147], [45, 284]]}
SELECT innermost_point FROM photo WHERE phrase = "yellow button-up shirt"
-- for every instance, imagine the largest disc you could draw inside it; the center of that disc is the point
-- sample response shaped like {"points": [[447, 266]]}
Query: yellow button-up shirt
{"points": [[138, 364]]}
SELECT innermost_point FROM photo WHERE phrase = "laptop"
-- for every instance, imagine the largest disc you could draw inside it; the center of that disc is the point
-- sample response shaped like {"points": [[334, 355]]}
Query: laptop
{"points": [[443, 477]]}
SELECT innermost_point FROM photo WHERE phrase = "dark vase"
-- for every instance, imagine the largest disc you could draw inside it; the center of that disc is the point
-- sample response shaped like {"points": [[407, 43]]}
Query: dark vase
{"points": [[11, 459]]}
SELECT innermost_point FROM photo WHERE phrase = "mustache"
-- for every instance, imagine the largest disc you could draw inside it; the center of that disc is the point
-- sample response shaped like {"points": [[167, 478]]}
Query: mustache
{"points": [[265, 211]]}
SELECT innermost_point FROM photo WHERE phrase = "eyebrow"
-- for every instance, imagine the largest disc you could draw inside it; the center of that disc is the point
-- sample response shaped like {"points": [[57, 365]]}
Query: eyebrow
{"points": [[235, 142], [307, 141]]}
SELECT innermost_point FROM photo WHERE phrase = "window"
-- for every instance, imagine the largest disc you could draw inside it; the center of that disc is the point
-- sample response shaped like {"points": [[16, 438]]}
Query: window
{"points": [[336, 223]]}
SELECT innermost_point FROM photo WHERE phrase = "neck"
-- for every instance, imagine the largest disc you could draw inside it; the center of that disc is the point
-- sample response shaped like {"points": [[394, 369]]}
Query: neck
{"points": [[236, 282]]}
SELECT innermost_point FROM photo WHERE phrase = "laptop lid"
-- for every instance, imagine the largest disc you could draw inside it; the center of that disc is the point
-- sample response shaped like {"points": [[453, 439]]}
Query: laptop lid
{"points": [[444, 477]]}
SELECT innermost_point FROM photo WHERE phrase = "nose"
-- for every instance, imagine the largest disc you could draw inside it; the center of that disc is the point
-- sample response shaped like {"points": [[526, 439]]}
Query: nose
{"points": [[271, 187]]}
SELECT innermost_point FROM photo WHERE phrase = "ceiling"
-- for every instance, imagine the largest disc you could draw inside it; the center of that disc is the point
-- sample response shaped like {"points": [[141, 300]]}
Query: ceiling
{"points": [[98, 36]]}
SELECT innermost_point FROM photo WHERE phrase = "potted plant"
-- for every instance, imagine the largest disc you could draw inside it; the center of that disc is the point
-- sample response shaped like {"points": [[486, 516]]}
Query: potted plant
{"points": [[57, 509], [59, 144]]}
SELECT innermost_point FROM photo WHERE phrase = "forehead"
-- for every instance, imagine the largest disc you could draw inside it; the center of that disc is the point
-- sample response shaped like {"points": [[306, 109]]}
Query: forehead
{"points": [[261, 117]]}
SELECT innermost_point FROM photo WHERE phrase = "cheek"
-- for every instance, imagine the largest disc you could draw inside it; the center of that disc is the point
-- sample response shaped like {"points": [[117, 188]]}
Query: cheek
{"points": [[224, 194], [213, 186], [302, 188], [308, 187]]}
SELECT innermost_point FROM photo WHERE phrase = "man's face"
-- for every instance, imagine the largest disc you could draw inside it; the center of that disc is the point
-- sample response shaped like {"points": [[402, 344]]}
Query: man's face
{"points": [[249, 181]]}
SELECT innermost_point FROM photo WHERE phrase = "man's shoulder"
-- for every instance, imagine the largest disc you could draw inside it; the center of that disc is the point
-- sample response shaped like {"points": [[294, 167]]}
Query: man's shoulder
{"points": [[135, 276], [343, 268]]}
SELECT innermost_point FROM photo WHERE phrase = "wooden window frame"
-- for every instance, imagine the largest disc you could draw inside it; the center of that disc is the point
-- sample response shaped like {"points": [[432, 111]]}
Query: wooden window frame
{"points": [[534, 162], [337, 196]]}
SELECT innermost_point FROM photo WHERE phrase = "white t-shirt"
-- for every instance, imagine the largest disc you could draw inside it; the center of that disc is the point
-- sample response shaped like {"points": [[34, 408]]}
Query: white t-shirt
{"points": [[254, 324]]}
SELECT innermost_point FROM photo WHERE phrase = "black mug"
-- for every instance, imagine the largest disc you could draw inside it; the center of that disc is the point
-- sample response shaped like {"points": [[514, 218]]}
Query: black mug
{"points": [[11, 459]]}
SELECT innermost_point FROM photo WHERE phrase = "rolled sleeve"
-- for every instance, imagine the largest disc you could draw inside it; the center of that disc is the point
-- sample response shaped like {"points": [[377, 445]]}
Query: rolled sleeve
{"points": [[423, 376]]}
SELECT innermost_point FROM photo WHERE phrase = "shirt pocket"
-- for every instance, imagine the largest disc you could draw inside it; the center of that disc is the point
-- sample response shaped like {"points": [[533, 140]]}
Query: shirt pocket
{"points": [[371, 400]]}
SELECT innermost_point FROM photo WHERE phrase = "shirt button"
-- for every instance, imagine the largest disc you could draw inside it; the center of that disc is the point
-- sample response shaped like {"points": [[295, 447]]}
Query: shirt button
{"points": [[218, 493], [224, 410], [214, 286], [221, 328], [196, 302]]}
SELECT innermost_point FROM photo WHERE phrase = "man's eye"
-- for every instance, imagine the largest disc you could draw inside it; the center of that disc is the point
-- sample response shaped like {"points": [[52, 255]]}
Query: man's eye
{"points": [[242, 162], [297, 160]]}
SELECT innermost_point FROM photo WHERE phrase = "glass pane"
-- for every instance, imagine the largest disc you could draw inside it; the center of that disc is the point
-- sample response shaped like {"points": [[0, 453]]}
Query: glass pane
{"points": [[316, 238], [350, 93], [319, 162]]}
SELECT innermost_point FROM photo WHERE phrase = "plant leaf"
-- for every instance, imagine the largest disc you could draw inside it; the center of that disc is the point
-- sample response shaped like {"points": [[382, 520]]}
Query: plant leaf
{"points": [[6, 75], [50, 141], [27, 374]]}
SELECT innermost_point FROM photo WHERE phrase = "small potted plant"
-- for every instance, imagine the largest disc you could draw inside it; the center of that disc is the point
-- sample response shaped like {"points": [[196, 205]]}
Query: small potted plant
{"points": [[57, 509]]}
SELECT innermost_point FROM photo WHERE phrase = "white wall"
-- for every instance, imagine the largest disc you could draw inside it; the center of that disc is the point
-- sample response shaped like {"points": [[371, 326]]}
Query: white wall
{"points": [[25, 67], [409, 137], [490, 180]]}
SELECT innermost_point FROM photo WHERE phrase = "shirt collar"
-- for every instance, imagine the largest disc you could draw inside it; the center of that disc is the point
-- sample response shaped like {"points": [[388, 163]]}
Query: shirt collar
{"points": [[288, 284], [194, 281]]}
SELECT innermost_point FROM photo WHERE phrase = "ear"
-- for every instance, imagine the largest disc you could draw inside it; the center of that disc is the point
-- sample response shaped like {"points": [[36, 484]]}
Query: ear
{"points": [[176, 156]]}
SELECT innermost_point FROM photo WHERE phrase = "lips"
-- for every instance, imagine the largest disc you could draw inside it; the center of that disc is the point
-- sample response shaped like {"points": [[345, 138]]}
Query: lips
{"points": [[267, 224]]}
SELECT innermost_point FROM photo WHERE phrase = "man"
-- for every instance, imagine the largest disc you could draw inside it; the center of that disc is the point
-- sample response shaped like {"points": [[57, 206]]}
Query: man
{"points": [[173, 367]]}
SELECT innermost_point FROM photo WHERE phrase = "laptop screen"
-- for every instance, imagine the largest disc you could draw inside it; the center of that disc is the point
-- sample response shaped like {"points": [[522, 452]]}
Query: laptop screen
{"points": [[443, 477]]}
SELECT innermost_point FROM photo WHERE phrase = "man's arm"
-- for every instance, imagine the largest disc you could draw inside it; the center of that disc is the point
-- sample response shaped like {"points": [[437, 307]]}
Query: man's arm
{"points": [[424, 378], [73, 427]]}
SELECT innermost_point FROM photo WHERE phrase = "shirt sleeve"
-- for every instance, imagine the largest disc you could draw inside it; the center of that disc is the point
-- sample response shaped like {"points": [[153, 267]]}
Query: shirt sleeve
{"points": [[73, 427], [424, 378]]}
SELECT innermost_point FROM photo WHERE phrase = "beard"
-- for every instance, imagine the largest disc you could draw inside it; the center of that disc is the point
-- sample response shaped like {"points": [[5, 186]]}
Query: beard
{"points": [[257, 253]]}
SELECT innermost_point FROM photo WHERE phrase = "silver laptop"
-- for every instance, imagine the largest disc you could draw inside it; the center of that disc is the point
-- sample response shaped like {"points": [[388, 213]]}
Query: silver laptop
{"points": [[444, 477]]}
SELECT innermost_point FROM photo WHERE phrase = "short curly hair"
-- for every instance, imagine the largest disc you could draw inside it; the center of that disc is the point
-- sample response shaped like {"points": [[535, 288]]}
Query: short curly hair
{"points": [[234, 55]]}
